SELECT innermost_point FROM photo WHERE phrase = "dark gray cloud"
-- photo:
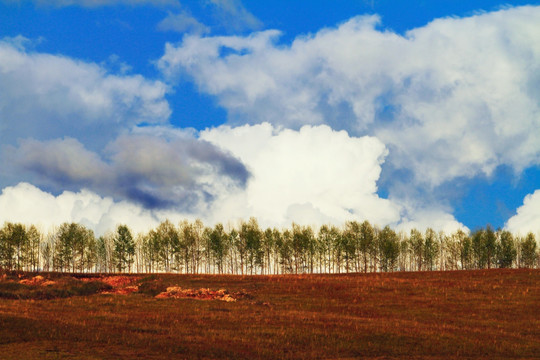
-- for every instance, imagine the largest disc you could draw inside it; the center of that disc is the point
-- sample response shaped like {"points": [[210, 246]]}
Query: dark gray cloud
{"points": [[178, 171]]}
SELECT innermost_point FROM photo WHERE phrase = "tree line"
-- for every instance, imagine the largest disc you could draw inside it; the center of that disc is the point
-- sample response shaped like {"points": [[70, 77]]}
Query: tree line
{"points": [[192, 247]]}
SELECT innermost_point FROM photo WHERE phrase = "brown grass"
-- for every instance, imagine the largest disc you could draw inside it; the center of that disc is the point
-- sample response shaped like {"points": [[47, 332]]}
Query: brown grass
{"points": [[490, 314]]}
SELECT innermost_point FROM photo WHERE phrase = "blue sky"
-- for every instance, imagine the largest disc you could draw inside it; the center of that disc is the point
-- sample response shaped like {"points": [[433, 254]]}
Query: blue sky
{"points": [[408, 113]]}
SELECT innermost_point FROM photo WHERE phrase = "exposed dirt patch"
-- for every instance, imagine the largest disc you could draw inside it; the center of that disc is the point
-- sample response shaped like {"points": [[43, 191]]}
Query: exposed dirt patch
{"points": [[176, 292], [125, 285]]}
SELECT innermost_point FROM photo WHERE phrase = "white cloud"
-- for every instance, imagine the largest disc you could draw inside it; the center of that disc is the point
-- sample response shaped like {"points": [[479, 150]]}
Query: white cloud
{"points": [[25, 203], [182, 22], [457, 97], [527, 218], [49, 96], [436, 219], [314, 175]]}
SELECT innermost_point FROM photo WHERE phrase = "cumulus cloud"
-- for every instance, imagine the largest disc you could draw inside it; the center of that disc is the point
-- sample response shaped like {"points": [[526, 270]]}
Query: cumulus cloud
{"points": [[182, 22], [170, 170], [527, 218], [48, 96], [454, 98], [314, 175], [27, 204]]}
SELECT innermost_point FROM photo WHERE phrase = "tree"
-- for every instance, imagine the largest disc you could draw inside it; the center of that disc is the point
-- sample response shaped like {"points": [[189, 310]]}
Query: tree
{"points": [[34, 240], [325, 246], [13, 246], [167, 245], [102, 255], [431, 249], [124, 248], [404, 251], [71, 244], [218, 245], [267, 249], [351, 242], [490, 246], [187, 244], [454, 245], [388, 249], [284, 242], [47, 255], [232, 241], [196, 232], [251, 236], [367, 242], [466, 252], [276, 248], [528, 251], [478, 250], [507, 252], [417, 247], [151, 251]]}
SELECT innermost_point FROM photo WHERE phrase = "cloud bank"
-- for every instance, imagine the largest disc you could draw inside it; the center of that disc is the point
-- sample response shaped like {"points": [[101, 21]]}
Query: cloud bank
{"points": [[314, 175], [455, 98], [27, 204]]}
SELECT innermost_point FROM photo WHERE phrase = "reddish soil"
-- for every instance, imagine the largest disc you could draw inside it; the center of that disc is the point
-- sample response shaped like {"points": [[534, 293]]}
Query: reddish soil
{"points": [[485, 314]]}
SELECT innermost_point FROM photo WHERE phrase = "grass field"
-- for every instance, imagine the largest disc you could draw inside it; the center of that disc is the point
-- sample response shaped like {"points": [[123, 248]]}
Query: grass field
{"points": [[489, 314]]}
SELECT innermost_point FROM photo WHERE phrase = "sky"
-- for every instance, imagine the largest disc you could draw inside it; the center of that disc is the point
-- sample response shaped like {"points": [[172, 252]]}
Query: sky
{"points": [[412, 114]]}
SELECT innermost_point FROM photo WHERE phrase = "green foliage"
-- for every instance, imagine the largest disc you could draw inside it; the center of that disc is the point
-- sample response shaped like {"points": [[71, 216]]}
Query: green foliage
{"points": [[484, 248], [490, 246], [366, 243], [388, 248], [190, 247], [417, 247], [478, 251], [351, 242], [217, 244], [124, 248], [528, 251], [430, 249], [73, 248], [13, 245], [167, 245], [251, 237], [507, 252]]}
